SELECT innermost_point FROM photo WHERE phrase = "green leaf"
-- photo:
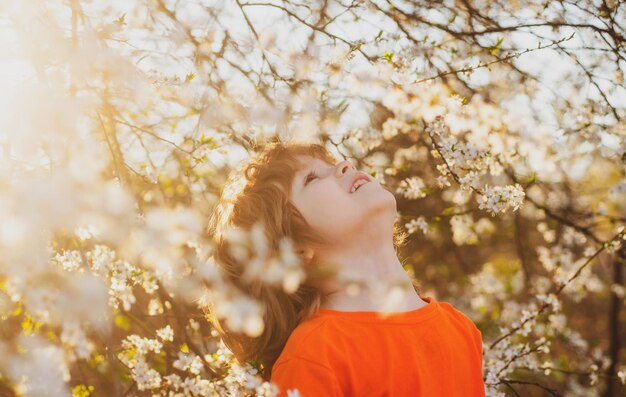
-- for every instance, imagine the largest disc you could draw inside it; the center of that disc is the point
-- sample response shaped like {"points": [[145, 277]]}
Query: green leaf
{"points": [[205, 139], [447, 211], [496, 48], [389, 56]]}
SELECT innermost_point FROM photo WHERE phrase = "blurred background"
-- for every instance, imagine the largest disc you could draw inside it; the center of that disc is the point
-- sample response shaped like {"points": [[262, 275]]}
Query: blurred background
{"points": [[498, 125]]}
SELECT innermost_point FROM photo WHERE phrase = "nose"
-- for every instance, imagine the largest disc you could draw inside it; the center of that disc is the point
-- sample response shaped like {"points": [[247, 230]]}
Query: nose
{"points": [[342, 168]]}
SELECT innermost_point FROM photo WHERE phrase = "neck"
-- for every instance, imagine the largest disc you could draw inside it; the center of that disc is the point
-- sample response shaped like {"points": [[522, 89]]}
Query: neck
{"points": [[370, 279]]}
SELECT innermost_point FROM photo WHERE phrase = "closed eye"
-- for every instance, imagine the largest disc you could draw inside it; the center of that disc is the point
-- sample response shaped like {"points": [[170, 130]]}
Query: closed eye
{"points": [[310, 175]]}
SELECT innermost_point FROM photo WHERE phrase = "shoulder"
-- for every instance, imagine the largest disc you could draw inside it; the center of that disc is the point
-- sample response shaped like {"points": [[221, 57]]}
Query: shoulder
{"points": [[306, 362], [451, 309], [463, 324], [308, 377], [306, 341], [457, 316]]}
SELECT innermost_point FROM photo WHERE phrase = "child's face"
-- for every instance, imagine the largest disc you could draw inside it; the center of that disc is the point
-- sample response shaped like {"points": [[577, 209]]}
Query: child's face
{"points": [[327, 203]]}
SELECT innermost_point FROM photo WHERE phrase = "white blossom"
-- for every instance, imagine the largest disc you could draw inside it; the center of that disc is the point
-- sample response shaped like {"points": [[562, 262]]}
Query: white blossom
{"points": [[166, 333], [414, 224], [412, 188], [496, 199], [463, 230]]}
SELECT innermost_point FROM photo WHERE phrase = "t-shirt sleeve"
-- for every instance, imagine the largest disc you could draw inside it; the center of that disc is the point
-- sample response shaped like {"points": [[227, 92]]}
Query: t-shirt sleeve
{"points": [[308, 377]]}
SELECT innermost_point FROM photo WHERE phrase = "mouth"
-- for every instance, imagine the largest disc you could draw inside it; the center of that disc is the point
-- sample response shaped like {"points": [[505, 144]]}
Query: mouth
{"points": [[358, 182]]}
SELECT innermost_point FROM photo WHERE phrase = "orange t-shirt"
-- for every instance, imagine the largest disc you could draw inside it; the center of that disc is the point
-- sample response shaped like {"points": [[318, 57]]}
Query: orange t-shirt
{"points": [[432, 351]]}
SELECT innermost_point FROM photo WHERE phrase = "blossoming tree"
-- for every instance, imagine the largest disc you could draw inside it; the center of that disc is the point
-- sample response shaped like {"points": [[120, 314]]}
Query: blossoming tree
{"points": [[498, 125]]}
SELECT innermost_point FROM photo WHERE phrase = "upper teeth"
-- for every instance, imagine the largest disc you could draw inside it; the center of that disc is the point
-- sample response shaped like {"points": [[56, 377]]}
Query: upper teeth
{"points": [[357, 184]]}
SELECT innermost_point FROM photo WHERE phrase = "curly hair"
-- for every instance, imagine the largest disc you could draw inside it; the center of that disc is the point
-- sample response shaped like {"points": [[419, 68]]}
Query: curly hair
{"points": [[260, 191]]}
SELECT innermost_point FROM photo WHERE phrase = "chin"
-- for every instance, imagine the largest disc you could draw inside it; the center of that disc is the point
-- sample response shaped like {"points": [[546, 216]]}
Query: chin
{"points": [[392, 197], [386, 202]]}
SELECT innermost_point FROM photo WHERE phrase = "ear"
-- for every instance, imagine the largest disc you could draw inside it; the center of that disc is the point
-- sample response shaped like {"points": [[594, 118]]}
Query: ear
{"points": [[306, 253]]}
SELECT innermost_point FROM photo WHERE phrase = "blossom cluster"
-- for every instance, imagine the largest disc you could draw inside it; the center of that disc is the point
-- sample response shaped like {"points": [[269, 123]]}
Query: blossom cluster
{"points": [[497, 199], [252, 247], [412, 188], [418, 223]]}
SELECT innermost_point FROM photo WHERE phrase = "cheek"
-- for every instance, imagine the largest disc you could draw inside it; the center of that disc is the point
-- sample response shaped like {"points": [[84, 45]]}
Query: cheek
{"points": [[330, 205]]}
